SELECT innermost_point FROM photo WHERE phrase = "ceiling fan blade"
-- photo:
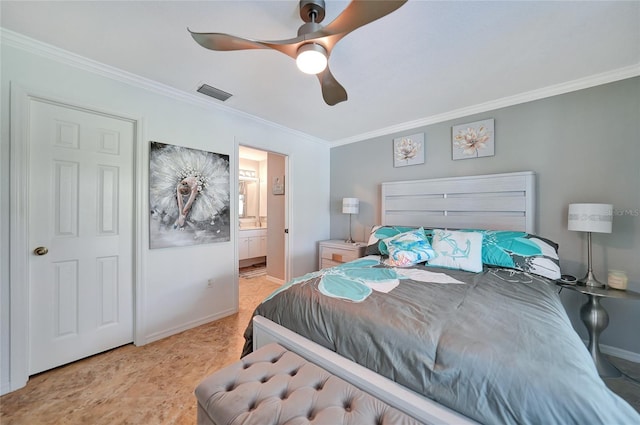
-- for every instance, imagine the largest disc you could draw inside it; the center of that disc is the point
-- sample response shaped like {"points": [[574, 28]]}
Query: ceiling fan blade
{"points": [[332, 91], [226, 42], [359, 13]]}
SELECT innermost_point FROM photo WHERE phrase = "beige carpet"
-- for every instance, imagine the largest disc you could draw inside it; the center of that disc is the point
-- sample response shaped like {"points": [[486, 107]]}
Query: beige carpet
{"points": [[146, 385], [153, 384]]}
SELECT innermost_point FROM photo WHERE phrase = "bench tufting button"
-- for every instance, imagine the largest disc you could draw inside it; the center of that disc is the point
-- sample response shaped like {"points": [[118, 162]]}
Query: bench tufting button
{"points": [[293, 372]]}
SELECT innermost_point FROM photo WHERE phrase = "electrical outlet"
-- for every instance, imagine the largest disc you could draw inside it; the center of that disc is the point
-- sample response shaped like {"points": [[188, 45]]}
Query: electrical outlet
{"points": [[210, 283]]}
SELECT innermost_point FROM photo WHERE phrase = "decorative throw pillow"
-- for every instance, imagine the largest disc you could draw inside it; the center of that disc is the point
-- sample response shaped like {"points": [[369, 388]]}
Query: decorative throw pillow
{"points": [[409, 248], [376, 244], [521, 251], [457, 250]]}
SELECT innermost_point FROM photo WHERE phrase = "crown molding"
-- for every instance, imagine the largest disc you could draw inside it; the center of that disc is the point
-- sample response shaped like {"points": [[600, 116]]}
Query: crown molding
{"points": [[570, 86], [28, 44], [22, 42]]}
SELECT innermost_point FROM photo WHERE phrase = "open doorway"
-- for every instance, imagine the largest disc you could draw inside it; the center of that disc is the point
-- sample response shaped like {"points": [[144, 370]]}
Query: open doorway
{"points": [[262, 200]]}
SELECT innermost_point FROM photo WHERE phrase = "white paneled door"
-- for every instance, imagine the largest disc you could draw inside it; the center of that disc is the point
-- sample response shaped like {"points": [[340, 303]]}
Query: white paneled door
{"points": [[80, 233]]}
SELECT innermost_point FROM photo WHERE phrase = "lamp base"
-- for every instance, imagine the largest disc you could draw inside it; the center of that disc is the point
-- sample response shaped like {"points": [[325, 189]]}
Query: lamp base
{"points": [[350, 240], [591, 281]]}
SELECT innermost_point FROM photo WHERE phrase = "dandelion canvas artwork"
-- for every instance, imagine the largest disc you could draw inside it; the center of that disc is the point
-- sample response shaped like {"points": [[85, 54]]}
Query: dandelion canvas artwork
{"points": [[408, 150], [473, 140], [188, 196]]}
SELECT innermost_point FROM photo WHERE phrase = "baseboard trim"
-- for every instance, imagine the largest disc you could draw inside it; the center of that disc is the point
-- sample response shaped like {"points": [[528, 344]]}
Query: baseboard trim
{"points": [[619, 352], [189, 325], [6, 388], [275, 280]]}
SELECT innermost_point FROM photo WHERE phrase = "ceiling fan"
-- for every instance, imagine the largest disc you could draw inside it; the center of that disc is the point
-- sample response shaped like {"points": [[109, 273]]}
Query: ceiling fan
{"points": [[312, 47]]}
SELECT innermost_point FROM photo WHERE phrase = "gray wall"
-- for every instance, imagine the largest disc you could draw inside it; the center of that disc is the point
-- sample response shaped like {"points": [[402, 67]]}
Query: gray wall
{"points": [[583, 146]]}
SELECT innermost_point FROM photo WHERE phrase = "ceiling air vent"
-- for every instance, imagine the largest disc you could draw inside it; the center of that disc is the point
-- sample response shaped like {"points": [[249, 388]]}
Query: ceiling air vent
{"points": [[214, 92]]}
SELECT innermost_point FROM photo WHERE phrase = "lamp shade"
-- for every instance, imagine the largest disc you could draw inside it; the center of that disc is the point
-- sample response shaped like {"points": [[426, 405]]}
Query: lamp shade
{"points": [[350, 205], [590, 217]]}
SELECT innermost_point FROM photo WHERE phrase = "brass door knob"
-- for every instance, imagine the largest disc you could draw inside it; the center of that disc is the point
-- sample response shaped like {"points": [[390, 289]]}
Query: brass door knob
{"points": [[41, 250]]}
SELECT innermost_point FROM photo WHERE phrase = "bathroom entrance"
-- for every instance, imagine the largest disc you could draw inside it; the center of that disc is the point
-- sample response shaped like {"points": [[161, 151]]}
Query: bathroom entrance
{"points": [[262, 214]]}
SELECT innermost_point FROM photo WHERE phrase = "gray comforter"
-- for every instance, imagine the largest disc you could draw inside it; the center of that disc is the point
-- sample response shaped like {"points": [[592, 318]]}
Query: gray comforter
{"points": [[498, 348]]}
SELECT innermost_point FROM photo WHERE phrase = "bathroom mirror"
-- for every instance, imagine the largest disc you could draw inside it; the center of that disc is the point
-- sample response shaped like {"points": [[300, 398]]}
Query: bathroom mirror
{"points": [[249, 199]]}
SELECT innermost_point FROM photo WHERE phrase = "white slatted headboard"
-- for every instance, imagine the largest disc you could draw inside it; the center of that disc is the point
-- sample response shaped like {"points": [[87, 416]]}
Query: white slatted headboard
{"points": [[493, 201]]}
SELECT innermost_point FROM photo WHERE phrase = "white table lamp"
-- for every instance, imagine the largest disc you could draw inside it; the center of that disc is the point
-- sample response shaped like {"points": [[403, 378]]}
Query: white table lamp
{"points": [[350, 206], [590, 218]]}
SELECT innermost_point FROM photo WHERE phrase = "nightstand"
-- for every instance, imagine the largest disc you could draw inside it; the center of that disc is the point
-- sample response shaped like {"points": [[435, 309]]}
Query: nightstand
{"points": [[596, 319], [336, 251]]}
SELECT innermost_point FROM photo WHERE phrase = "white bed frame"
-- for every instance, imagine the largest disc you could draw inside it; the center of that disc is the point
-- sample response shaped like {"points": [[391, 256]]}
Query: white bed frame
{"points": [[496, 201]]}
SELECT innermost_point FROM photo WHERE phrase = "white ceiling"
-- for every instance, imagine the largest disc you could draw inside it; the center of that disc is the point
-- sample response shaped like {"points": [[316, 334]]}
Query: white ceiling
{"points": [[426, 59]]}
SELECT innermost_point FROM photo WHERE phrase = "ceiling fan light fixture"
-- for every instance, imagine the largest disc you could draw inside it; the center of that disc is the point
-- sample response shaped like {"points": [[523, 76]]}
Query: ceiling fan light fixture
{"points": [[313, 45], [312, 58]]}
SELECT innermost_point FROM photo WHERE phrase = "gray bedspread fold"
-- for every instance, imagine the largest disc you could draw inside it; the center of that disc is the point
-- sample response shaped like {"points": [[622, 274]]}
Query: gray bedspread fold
{"points": [[499, 349]]}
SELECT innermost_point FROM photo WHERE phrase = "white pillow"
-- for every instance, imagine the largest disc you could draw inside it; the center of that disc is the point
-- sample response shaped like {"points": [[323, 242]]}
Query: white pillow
{"points": [[457, 250]]}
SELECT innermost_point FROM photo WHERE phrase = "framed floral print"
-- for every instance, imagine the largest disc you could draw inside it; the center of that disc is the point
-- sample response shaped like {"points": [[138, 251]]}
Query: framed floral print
{"points": [[473, 140], [408, 150]]}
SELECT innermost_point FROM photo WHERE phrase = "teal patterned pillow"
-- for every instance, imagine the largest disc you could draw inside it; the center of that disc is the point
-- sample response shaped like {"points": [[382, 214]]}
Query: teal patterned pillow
{"points": [[521, 251], [409, 248], [376, 245], [457, 250]]}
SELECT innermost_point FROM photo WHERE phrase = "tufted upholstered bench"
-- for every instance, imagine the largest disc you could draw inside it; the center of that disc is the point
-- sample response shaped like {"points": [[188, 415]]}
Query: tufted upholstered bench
{"points": [[274, 386]]}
